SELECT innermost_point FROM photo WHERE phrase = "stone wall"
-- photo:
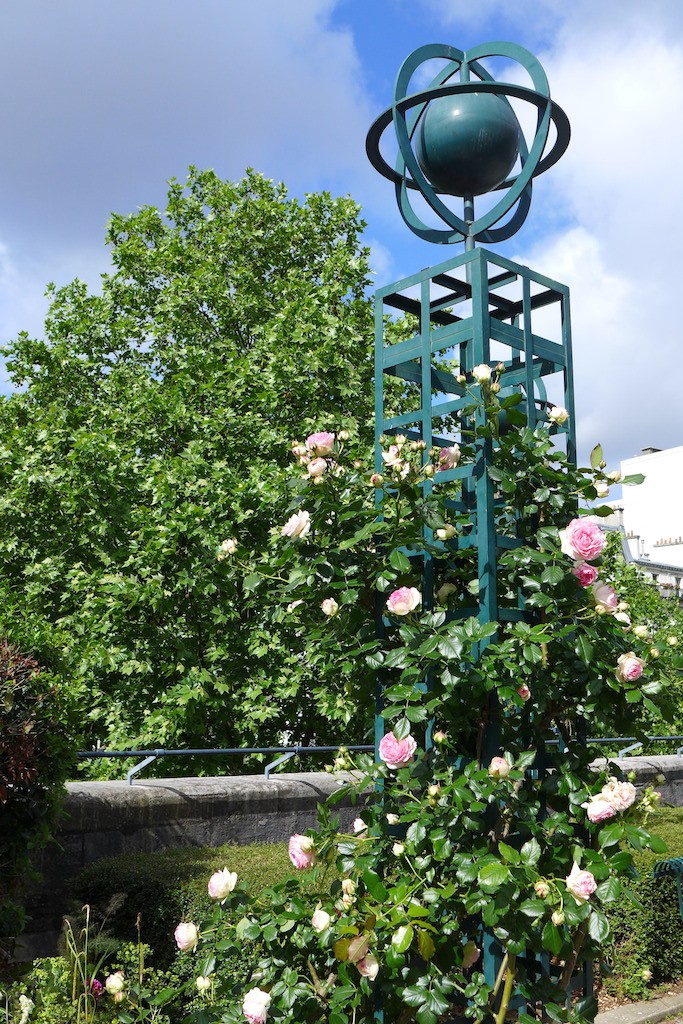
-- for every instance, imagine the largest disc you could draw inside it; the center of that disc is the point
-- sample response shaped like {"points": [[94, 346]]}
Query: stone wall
{"points": [[105, 819]]}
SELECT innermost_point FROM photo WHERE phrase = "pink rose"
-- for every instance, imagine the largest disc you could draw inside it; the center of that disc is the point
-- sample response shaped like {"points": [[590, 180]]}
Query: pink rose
{"points": [[222, 883], [397, 753], [449, 457], [316, 467], [605, 598], [599, 809], [321, 443], [581, 884], [524, 692], [368, 966], [186, 936], [586, 574], [301, 851], [499, 768], [620, 794], [403, 601], [629, 667], [583, 540], [255, 1006]]}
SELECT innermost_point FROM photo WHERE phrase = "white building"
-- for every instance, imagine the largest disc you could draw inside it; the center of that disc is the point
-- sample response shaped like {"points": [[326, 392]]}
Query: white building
{"points": [[653, 510], [651, 514]]}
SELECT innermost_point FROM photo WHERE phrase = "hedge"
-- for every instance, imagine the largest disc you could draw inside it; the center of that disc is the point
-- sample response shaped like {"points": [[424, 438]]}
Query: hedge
{"points": [[168, 887]]}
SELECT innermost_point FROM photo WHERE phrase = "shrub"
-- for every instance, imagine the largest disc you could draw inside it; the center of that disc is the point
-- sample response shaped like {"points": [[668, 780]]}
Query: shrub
{"points": [[648, 937], [36, 756], [168, 887]]}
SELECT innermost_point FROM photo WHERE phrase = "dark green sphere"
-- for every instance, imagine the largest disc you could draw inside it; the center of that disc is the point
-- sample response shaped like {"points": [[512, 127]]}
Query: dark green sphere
{"points": [[467, 144]]}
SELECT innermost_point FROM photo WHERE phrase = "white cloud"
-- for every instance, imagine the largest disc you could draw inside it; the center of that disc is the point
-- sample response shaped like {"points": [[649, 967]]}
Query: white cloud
{"points": [[606, 220]]}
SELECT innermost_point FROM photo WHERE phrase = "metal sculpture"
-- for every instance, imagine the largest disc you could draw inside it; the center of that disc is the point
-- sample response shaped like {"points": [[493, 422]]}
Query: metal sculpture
{"points": [[461, 137]]}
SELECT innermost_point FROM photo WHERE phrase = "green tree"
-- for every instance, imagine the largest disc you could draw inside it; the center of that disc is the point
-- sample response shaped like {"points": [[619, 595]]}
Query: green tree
{"points": [[148, 427]]}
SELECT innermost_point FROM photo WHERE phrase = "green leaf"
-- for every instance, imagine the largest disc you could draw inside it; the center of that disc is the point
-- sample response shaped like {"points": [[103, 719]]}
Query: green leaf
{"points": [[584, 650], [530, 853], [533, 908], [596, 457], [416, 833], [374, 885], [598, 926], [402, 938], [609, 890], [509, 853], [425, 944], [401, 729], [399, 561], [448, 649], [551, 938], [611, 834], [375, 660], [251, 581], [553, 574], [657, 844], [493, 875]]}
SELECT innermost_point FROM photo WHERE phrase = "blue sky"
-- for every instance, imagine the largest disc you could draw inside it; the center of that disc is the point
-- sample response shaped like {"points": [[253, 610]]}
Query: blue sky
{"points": [[104, 100]]}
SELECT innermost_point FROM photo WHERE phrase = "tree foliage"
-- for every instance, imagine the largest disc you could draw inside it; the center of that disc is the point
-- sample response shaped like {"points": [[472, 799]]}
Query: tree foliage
{"points": [[150, 421]]}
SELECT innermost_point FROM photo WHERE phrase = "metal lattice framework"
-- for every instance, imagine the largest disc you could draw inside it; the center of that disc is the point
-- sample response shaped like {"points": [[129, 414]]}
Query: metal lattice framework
{"points": [[477, 308]]}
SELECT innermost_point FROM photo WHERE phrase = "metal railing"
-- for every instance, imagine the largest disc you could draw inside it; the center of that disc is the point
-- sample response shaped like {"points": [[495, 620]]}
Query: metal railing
{"points": [[632, 741], [149, 756]]}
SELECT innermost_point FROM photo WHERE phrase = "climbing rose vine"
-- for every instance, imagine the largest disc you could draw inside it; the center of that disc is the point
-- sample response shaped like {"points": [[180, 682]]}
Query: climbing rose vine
{"points": [[481, 818]]}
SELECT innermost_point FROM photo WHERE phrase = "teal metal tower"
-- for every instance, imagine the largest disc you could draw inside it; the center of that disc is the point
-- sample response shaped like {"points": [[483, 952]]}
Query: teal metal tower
{"points": [[460, 142]]}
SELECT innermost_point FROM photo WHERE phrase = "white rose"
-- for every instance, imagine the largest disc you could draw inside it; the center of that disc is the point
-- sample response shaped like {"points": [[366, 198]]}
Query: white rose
{"points": [[482, 373], [115, 983], [330, 607], [316, 467], [558, 414], [255, 1005], [619, 794], [298, 525], [221, 884], [321, 919]]}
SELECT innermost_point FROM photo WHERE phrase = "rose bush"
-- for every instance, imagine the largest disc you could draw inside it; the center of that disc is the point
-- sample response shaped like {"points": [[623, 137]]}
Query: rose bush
{"points": [[484, 831]]}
